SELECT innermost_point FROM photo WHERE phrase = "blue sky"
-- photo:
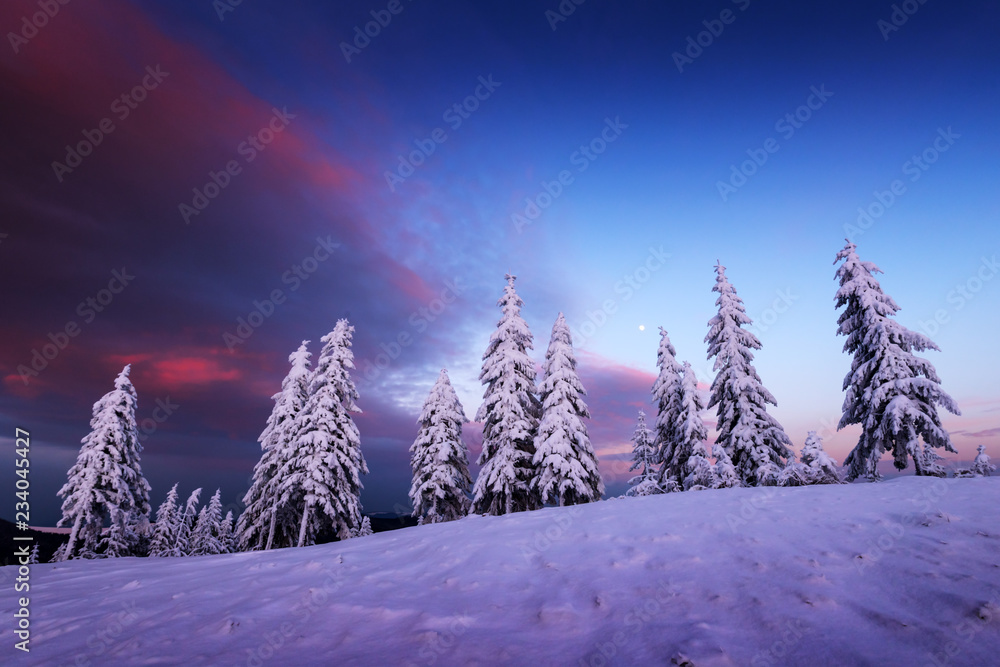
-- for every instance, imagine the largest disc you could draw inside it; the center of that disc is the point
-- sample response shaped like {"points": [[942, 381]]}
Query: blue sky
{"points": [[653, 190]]}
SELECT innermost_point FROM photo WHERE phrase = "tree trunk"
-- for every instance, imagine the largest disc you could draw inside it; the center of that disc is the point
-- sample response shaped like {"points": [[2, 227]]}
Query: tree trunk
{"points": [[270, 532], [71, 544], [305, 522]]}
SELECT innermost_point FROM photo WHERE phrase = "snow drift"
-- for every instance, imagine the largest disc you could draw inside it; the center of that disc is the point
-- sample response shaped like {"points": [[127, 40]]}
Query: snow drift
{"points": [[905, 572]]}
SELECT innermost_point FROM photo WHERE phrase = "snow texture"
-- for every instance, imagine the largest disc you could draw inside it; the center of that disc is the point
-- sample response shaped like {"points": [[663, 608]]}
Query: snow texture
{"points": [[898, 573]]}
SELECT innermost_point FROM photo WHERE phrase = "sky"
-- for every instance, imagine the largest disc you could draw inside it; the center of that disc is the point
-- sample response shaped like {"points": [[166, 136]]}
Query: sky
{"points": [[390, 162]]}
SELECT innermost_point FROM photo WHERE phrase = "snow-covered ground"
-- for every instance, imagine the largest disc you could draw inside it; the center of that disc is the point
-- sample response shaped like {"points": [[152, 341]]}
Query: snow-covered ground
{"points": [[905, 572]]}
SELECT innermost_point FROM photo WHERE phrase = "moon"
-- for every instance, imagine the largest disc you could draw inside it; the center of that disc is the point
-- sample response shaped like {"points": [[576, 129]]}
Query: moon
{"points": [[642, 327]]}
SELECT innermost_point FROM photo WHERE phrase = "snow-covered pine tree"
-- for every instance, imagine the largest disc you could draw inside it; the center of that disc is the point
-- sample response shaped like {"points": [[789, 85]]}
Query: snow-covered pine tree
{"points": [[207, 533], [166, 529], [509, 414], [981, 465], [33, 557], [365, 529], [726, 476], [927, 463], [566, 471], [666, 398], [690, 434], [187, 522], [227, 536], [439, 458], [106, 477], [120, 539], [643, 458], [822, 468], [264, 523], [322, 479], [794, 473], [891, 393], [754, 440]]}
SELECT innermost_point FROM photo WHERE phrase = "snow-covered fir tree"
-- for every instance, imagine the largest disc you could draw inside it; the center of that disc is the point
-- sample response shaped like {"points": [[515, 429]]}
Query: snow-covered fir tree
{"points": [[981, 465], [206, 538], [322, 479], [666, 398], [690, 435], [227, 533], [439, 459], [167, 528], [107, 478], [754, 440], [509, 414], [34, 556], [725, 473], [822, 468], [794, 473], [120, 540], [365, 529], [187, 520], [891, 393], [566, 471], [928, 463], [265, 523], [643, 460]]}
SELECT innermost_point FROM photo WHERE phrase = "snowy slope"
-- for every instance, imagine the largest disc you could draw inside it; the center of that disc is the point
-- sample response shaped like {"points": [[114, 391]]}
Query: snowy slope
{"points": [[727, 577]]}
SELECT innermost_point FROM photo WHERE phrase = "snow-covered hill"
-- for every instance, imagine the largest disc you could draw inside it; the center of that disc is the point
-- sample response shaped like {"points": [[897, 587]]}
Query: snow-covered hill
{"points": [[906, 572]]}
